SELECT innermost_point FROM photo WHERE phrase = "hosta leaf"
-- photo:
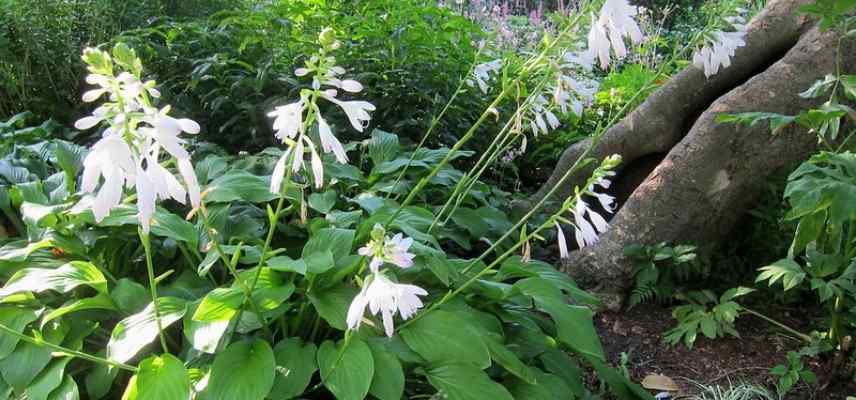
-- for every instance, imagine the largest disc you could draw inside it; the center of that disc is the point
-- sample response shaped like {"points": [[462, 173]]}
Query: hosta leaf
{"points": [[508, 360], [25, 363], [444, 336], [574, 323], [549, 387], [458, 381], [323, 202], [131, 334], [332, 304], [15, 318], [169, 225], [382, 146], [787, 270], [337, 241], [245, 370], [388, 381], [62, 279], [67, 390], [159, 378], [99, 380], [346, 372], [295, 362], [239, 185], [100, 302], [129, 296], [49, 379]]}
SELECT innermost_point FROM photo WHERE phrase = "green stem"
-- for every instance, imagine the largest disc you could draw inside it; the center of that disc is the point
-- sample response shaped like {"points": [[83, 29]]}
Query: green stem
{"points": [[434, 122], [248, 293], [786, 328], [65, 350], [147, 245], [273, 220]]}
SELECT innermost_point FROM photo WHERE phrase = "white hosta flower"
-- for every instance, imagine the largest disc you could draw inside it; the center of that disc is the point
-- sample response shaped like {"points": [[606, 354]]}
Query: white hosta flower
{"points": [[584, 232], [165, 132], [608, 30], [384, 249], [720, 47], [288, 120], [329, 142], [563, 244], [482, 74], [386, 297], [111, 158], [356, 110]]}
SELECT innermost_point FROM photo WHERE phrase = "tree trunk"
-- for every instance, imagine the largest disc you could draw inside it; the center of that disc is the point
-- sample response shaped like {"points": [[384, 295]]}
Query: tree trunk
{"points": [[711, 172]]}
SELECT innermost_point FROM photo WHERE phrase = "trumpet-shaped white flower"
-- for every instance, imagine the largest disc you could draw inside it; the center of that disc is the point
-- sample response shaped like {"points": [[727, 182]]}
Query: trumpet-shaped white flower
{"points": [[563, 244], [384, 249], [357, 111], [288, 120], [386, 297], [329, 142], [610, 28], [482, 74], [720, 47]]}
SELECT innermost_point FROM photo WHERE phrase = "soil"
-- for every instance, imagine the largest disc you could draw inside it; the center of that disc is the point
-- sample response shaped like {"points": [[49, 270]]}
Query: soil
{"points": [[638, 332]]}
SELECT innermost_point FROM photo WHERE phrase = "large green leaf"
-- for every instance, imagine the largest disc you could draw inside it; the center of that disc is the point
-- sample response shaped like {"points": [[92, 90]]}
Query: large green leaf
{"points": [[549, 387], [337, 241], [100, 302], [575, 324], [346, 372], [295, 362], [15, 318], [62, 279], [28, 359], [508, 360], [131, 334], [49, 379], [159, 378], [208, 323], [323, 202], [239, 185], [245, 370], [382, 146], [444, 336], [169, 225], [67, 390], [332, 304], [388, 381], [460, 381]]}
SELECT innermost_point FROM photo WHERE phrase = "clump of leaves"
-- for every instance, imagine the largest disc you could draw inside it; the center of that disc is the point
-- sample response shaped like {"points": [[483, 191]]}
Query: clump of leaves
{"points": [[659, 270], [706, 314]]}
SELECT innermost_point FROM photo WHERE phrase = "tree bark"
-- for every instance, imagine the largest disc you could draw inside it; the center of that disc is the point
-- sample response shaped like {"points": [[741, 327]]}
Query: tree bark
{"points": [[711, 172]]}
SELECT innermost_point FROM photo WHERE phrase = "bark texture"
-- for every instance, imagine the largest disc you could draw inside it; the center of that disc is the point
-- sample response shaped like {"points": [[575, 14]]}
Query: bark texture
{"points": [[711, 172]]}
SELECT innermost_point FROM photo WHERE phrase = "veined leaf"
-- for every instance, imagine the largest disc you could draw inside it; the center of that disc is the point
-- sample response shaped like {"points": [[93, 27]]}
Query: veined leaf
{"points": [[444, 336], [787, 270], [459, 381], [159, 378], [295, 362], [131, 334], [62, 279], [245, 370], [346, 372]]}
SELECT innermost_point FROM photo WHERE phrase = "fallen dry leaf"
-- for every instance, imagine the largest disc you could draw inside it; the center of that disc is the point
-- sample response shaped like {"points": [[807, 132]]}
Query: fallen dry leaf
{"points": [[660, 382]]}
